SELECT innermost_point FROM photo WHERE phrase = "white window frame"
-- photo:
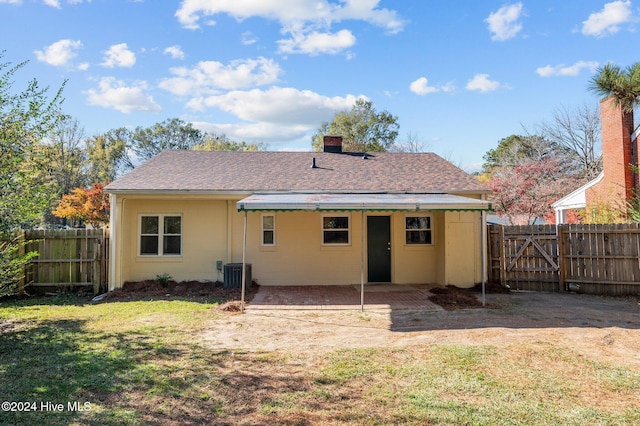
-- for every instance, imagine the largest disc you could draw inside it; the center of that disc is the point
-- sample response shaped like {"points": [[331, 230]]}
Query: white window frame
{"points": [[161, 234], [347, 229], [263, 230], [430, 230]]}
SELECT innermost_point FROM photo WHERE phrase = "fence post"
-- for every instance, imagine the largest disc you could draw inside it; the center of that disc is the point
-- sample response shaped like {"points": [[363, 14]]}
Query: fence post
{"points": [[562, 274], [21, 252], [503, 259], [97, 244]]}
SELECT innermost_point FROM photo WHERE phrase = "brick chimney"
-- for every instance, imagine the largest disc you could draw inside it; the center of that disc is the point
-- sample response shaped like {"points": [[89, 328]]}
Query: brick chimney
{"points": [[619, 153], [333, 144]]}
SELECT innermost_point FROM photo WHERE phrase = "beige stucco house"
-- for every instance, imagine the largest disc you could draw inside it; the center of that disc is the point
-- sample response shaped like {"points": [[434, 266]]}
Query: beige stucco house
{"points": [[299, 218]]}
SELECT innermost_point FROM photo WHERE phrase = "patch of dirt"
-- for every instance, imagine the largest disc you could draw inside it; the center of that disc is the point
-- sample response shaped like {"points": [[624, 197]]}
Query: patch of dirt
{"points": [[452, 298], [153, 288], [601, 328], [10, 326], [604, 329]]}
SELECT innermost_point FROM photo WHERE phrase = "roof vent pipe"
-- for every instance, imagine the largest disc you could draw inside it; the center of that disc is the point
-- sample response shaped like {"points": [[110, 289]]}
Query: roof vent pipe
{"points": [[313, 163]]}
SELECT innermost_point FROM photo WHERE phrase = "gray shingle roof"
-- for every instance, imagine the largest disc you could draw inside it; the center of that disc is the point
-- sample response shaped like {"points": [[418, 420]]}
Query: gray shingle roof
{"points": [[219, 171]]}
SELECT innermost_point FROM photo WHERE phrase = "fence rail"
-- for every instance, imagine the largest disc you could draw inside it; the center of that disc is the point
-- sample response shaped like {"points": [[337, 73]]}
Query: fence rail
{"points": [[67, 258], [596, 259]]}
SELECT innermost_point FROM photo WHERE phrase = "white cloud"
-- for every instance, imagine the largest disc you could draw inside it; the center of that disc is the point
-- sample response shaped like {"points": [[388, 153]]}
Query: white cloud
{"points": [[273, 115], [608, 20], [481, 83], [114, 94], [208, 77], [315, 43], [258, 132], [504, 24], [248, 38], [421, 87], [307, 21], [175, 51], [562, 70], [11, 1], [52, 3], [59, 53], [119, 55], [83, 66], [288, 12], [278, 105]]}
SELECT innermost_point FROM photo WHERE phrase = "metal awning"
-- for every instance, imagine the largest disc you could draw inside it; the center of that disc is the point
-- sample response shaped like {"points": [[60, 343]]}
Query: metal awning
{"points": [[362, 202], [359, 202]]}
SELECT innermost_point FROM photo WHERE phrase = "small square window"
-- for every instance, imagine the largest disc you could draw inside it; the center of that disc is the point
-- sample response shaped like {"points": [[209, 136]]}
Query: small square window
{"points": [[418, 230], [335, 229]]}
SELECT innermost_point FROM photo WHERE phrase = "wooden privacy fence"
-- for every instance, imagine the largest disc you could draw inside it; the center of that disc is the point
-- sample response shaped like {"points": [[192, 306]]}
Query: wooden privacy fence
{"points": [[595, 259], [67, 258]]}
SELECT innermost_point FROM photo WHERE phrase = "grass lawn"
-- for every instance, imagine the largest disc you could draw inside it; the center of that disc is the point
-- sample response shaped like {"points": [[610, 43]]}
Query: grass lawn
{"points": [[141, 362]]}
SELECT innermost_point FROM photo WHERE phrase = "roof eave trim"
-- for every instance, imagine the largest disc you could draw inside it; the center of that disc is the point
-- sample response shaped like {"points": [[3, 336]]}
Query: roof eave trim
{"points": [[174, 192]]}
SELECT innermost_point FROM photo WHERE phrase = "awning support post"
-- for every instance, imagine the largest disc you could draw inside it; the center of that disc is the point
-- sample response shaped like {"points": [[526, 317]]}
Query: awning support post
{"points": [[483, 223], [244, 262], [362, 264]]}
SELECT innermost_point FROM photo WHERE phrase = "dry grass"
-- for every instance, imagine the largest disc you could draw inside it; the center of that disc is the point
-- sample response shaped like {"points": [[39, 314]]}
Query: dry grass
{"points": [[141, 362]]}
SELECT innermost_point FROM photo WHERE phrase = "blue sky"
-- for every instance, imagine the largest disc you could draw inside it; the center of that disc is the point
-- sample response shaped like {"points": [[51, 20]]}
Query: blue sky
{"points": [[459, 75]]}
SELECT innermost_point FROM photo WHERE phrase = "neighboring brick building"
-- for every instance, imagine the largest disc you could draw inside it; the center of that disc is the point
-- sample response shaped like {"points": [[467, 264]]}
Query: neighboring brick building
{"points": [[619, 158], [617, 182]]}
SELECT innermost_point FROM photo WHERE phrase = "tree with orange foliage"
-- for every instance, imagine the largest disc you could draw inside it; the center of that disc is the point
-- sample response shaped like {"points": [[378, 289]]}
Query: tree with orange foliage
{"points": [[89, 205]]}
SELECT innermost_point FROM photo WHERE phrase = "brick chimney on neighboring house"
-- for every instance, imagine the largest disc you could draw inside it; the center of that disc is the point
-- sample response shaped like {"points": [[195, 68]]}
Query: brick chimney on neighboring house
{"points": [[619, 154]]}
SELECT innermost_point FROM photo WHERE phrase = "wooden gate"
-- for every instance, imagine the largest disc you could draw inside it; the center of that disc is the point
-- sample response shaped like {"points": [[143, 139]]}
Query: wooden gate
{"points": [[524, 257], [67, 259]]}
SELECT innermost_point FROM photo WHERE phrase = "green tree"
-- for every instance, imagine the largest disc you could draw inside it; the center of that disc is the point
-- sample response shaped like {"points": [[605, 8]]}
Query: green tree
{"points": [[515, 150], [107, 156], [623, 85], [67, 154], [174, 133], [25, 119], [213, 142], [362, 129], [25, 184]]}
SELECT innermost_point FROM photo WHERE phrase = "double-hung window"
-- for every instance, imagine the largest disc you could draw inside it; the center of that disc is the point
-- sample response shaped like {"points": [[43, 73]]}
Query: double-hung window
{"points": [[335, 230], [160, 235], [268, 230], [418, 230]]}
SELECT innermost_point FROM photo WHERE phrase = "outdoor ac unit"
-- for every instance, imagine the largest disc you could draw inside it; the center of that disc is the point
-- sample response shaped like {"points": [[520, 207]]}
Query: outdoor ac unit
{"points": [[233, 275]]}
